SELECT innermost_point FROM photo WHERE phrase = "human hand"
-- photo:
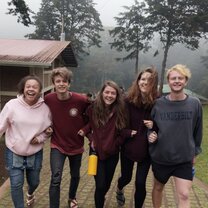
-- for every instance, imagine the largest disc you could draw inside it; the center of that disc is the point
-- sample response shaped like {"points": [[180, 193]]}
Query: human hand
{"points": [[81, 133], [133, 133], [48, 131], [148, 123], [34, 141], [152, 137], [92, 146]]}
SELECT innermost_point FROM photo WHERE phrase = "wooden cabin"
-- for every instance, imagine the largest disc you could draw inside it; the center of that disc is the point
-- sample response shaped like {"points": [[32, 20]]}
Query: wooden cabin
{"points": [[19, 58]]}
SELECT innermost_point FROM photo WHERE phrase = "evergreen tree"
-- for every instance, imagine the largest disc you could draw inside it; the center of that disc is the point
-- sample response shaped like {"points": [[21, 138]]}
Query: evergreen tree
{"points": [[178, 21], [132, 33], [21, 10], [79, 19], [203, 82]]}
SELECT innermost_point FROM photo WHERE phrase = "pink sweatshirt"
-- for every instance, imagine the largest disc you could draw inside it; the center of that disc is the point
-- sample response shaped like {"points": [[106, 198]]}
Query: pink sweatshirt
{"points": [[21, 123]]}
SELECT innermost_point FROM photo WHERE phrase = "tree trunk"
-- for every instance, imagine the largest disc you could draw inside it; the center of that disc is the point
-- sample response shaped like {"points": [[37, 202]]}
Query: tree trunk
{"points": [[137, 62], [167, 46], [163, 69]]}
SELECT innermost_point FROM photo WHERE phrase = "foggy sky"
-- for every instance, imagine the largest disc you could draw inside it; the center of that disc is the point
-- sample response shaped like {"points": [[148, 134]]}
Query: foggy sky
{"points": [[11, 29]]}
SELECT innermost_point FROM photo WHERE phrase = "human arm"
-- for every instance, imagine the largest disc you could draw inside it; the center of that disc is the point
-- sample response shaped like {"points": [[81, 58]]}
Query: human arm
{"points": [[85, 130], [148, 124], [152, 133], [4, 120], [197, 133], [123, 134], [152, 137], [42, 136]]}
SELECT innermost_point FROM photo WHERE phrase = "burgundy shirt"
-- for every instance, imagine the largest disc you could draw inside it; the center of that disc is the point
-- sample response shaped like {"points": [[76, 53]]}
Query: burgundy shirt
{"points": [[106, 139], [136, 148], [68, 117]]}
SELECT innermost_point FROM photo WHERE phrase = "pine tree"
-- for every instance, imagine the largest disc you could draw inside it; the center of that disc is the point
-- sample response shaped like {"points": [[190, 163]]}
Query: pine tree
{"points": [[79, 19], [178, 21], [132, 32]]}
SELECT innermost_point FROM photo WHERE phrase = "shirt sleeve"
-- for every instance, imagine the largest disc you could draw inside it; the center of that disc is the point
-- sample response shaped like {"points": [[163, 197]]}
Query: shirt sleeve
{"points": [[4, 119], [198, 131]]}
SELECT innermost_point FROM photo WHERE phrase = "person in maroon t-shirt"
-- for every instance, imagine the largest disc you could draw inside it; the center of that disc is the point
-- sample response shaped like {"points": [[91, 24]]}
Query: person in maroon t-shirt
{"points": [[68, 116], [107, 120], [140, 99]]}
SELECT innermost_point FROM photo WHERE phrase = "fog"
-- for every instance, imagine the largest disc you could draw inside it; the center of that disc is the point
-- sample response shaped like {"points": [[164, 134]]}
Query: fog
{"points": [[10, 28]]}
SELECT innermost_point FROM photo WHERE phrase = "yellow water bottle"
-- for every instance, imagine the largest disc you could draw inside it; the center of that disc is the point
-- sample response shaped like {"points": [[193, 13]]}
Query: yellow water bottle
{"points": [[92, 164]]}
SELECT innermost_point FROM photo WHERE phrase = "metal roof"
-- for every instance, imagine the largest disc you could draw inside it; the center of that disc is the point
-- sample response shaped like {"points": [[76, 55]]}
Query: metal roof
{"points": [[30, 52], [166, 89]]}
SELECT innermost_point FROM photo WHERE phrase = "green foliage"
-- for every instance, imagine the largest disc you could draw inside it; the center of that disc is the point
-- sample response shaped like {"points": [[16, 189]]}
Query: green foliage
{"points": [[202, 160], [201, 77], [131, 33], [79, 19], [21, 10], [203, 85], [177, 21]]}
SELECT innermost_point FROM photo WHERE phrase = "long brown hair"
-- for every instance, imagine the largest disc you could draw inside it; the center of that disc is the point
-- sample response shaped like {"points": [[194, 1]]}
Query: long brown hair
{"points": [[134, 93], [101, 113]]}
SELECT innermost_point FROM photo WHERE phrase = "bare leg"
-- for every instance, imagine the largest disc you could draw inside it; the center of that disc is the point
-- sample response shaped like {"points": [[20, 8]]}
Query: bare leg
{"points": [[183, 188], [157, 193]]}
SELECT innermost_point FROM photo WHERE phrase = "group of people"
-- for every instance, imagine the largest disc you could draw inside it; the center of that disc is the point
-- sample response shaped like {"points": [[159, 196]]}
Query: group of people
{"points": [[138, 127]]}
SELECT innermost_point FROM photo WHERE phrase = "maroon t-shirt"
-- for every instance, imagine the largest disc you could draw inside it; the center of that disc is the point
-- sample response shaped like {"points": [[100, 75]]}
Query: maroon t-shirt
{"points": [[68, 117]]}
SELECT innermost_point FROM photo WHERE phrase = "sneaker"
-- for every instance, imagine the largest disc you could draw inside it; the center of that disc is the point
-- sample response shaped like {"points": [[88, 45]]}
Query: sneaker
{"points": [[30, 200], [120, 197], [73, 203]]}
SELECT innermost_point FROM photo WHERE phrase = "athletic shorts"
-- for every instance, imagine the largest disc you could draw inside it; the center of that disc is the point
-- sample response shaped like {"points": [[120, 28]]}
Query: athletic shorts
{"points": [[163, 172]]}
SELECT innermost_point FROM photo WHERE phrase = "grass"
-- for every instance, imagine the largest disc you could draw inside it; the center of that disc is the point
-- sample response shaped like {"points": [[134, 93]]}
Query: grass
{"points": [[201, 165]]}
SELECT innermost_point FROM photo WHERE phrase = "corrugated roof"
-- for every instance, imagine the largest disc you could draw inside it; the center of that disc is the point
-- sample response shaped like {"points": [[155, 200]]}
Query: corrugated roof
{"points": [[35, 52]]}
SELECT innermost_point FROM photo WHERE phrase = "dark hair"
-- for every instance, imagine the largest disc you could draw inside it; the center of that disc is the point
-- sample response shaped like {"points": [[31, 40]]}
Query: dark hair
{"points": [[21, 84], [134, 93], [101, 113]]}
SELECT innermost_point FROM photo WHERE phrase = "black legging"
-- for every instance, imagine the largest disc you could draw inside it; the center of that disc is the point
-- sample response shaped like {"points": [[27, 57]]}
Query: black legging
{"points": [[141, 175], [103, 179]]}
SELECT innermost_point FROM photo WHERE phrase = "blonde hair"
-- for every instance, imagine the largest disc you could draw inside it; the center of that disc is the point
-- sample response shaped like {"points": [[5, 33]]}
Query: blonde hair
{"points": [[182, 69]]}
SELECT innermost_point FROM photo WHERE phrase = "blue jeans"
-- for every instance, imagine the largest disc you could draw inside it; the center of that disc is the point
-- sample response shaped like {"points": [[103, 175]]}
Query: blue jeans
{"points": [[17, 177], [57, 160]]}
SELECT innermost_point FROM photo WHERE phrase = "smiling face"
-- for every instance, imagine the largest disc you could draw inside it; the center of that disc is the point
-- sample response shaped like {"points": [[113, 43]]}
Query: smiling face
{"points": [[176, 81], [31, 91], [109, 95], [61, 85], [143, 82]]}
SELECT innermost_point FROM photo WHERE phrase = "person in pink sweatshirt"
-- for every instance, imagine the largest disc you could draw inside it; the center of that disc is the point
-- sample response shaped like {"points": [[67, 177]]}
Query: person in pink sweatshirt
{"points": [[106, 132], [26, 122]]}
